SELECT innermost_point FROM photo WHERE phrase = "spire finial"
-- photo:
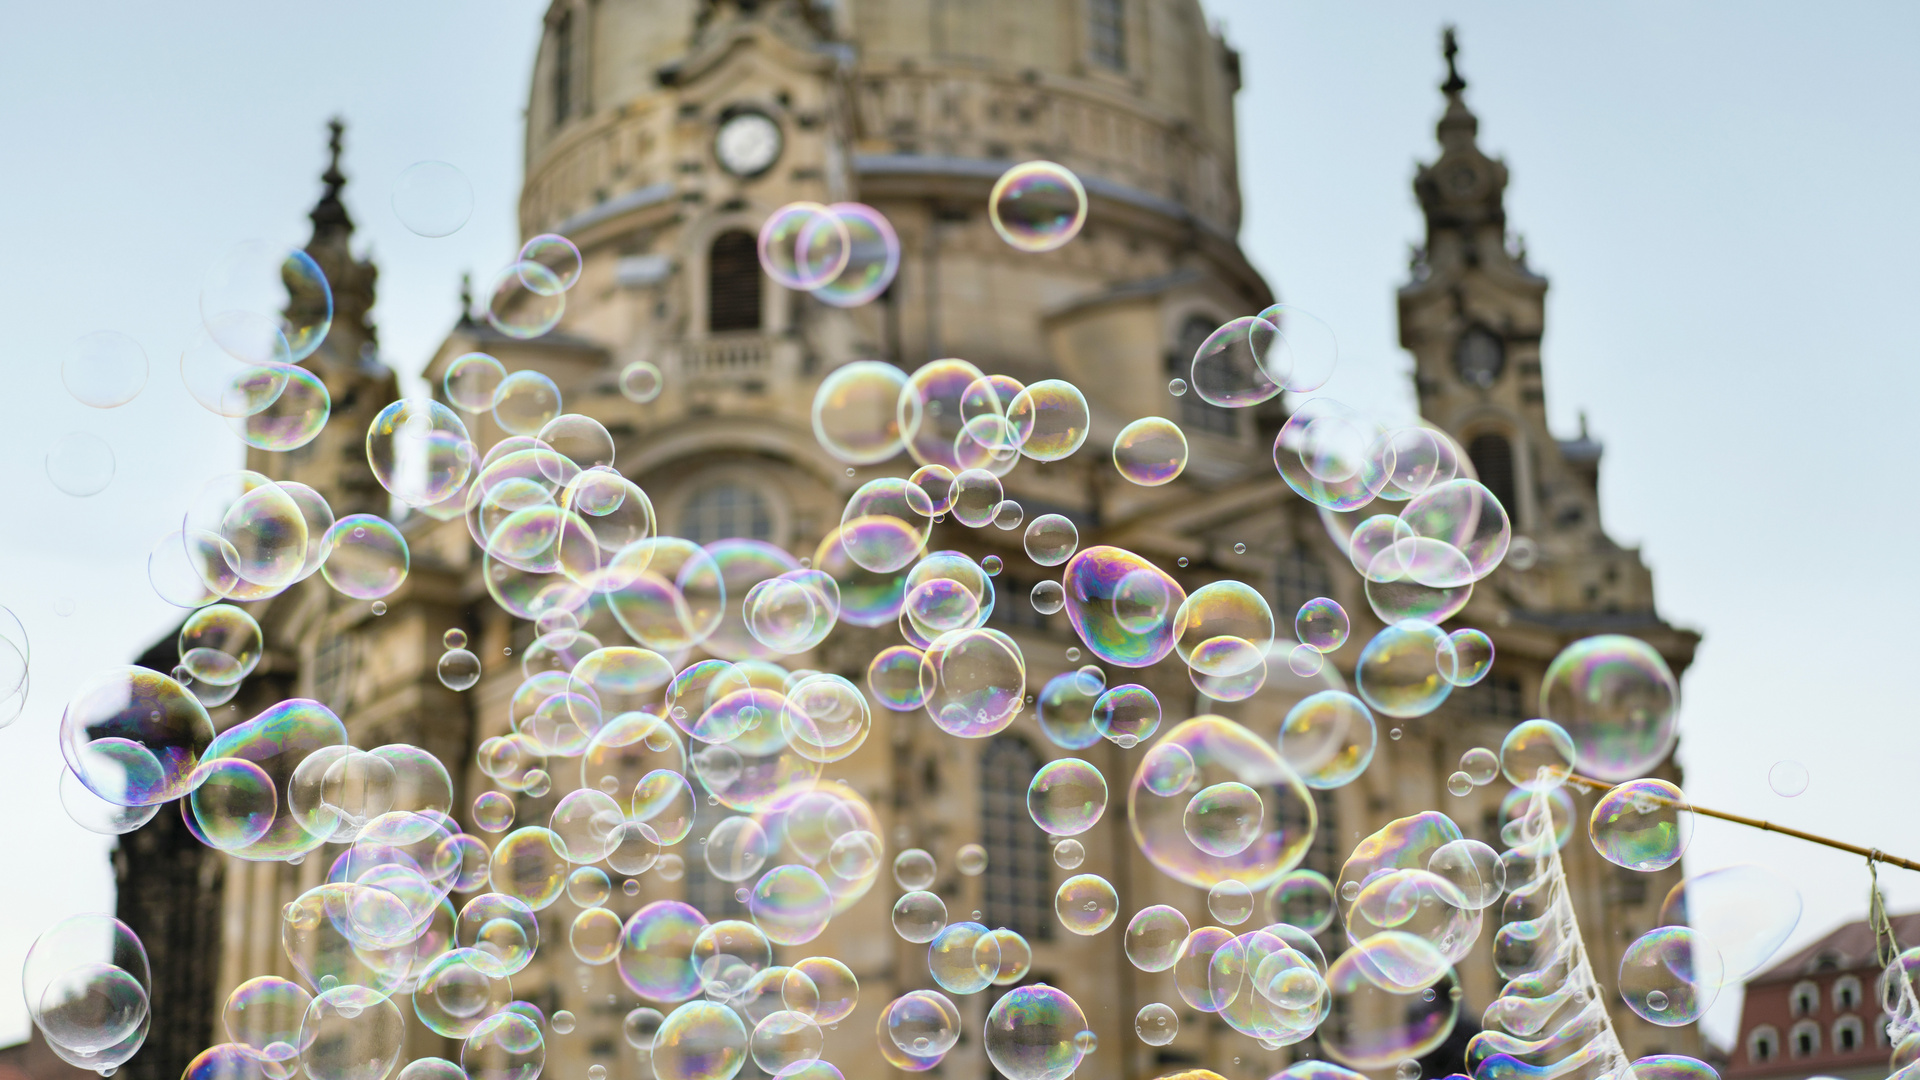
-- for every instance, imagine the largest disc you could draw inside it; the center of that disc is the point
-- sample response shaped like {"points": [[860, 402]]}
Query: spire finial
{"points": [[466, 295], [329, 215], [1450, 48]]}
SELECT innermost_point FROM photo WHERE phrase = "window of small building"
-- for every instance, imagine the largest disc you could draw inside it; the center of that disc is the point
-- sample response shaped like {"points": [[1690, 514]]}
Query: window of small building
{"points": [[1848, 1035], [725, 511], [1846, 993], [1018, 883], [1804, 1039], [1107, 33], [733, 283], [1763, 1044], [1492, 457], [1806, 998]]}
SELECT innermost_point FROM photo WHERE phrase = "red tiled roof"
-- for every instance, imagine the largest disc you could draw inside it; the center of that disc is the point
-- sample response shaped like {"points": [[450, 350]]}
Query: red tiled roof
{"points": [[1851, 944]]}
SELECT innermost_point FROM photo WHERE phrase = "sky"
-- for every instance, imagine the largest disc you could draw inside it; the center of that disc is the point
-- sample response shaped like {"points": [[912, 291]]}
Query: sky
{"points": [[1719, 192]]}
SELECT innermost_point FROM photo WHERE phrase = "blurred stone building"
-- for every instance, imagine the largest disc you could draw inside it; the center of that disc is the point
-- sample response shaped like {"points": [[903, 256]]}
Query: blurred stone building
{"points": [[660, 134]]}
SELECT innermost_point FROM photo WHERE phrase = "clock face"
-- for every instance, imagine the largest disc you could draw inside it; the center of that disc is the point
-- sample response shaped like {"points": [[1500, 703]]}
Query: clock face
{"points": [[747, 144], [1479, 357]]}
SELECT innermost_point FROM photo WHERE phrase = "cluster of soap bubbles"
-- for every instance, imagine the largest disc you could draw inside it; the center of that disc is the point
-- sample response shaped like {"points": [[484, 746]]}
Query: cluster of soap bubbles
{"points": [[705, 738]]}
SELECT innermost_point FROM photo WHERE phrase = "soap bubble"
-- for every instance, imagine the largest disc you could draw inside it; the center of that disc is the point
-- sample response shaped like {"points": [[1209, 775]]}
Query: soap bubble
{"points": [[1788, 779], [855, 412], [1229, 762], [783, 1039], [1050, 420], [1670, 975], [1744, 913], [919, 916], [964, 958], [1398, 674], [80, 464], [1328, 738], [922, 1022], [1051, 539], [1086, 904], [1466, 658], [1225, 818], [471, 381], [420, 451], [1617, 699], [1030, 1033], [1037, 206], [432, 199], [88, 989], [134, 736], [506, 1046], [1156, 1024], [1373, 1026], [1481, 765], [1641, 825], [1127, 714], [1537, 754], [1155, 937], [104, 369], [1150, 451], [1067, 797], [1228, 369], [804, 245], [1302, 898], [351, 1033], [1321, 624], [1331, 455], [1230, 902]]}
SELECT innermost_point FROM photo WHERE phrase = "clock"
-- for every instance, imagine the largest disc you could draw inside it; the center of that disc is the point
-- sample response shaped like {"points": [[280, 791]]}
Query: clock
{"points": [[747, 144], [1479, 357]]}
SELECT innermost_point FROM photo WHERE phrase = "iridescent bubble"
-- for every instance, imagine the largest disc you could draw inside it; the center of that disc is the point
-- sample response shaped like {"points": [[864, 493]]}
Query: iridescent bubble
{"points": [[1037, 206], [1468, 657], [728, 955], [976, 497], [1302, 898], [262, 1016], [1167, 770], [1328, 738], [963, 958], [922, 1023], [219, 644], [1156, 1023], [1224, 819], [791, 905], [293, 419], [1230, 368], [258, 287], [1051, 539], [914, 869], [1514, 807], [641, 382], [1050, 420], [1617, 698], [1047, 597], [1641, 825], [1474, 869], [351, 1033], [980, 685], [1121, 606], [901, 678], [1321, 624], [835, 990], [458, 669], [104, 369], [919, 917], [855, 412], [233, 803], [506, 1046], [1332, 455], [432, 199], [641, 1027], [1744, 913], [1230, 902], [804, 245], [784, 1039], [1481, 765], [873, 256], [1150, 451], [970, 860], [472, 380], [367, 557], [431, 1068], [656, 950], [1069, 854], [1155, 937], [525, 402], [1086, 904], [1418, 579], [236, 365], [1067, 797], [1398, 673], [1127, 714], [1465, 516], [1016, 956], [88, 989], [1371, 1026], [1030, 1033], [1224, 629], [134, 736], [80, 464], [95, 814], [1537, 754], [528, 866], [420, 451], [1670, 975], [1307, 352], [557, 254], [455, 994]]}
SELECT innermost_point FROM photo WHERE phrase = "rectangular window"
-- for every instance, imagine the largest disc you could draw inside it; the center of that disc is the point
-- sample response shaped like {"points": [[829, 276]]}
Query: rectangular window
{"points": [[562, 68], [1107, 32]]}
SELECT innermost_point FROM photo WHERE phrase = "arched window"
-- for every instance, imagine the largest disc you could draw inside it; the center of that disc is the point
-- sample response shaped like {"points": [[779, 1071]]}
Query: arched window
{"points": [[1848, 1035], [1806, 998], [1804, 1039], [1492, 457], [733, 283], [1019, 887], [725, 511], [1763, 1044], [1195, 413], [1107, 33], [1846, 993]]}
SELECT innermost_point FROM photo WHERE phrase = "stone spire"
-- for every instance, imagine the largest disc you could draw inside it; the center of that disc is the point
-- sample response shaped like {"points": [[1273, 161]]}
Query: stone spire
{"points": [[352, 278], [1463, 190]]}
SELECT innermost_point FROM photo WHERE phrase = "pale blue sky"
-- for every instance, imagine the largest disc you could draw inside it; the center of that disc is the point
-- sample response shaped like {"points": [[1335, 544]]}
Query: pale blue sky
{"points": [[1721, 193]]}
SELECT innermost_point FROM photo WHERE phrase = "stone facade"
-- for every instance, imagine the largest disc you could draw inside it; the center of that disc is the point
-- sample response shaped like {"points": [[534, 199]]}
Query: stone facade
{"points": [[915, 107]]}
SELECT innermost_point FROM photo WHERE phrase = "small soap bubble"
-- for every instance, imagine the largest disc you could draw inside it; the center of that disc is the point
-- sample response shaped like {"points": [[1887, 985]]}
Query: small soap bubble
{"points": [[1788, 779], [1177, 387]]}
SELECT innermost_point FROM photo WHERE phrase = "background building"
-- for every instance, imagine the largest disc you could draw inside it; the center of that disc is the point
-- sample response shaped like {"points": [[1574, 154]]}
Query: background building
{"points": [[916, 109], [1818, 1012]]}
